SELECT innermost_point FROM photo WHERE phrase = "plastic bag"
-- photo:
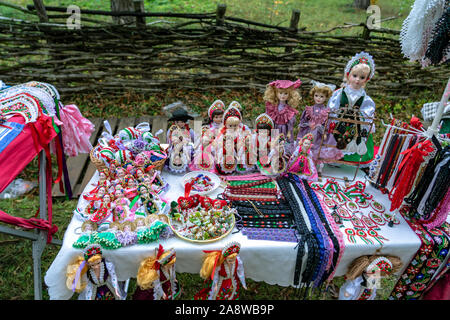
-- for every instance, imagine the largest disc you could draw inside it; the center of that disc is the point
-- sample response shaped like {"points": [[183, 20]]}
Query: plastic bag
{"points": [[17, 188]]}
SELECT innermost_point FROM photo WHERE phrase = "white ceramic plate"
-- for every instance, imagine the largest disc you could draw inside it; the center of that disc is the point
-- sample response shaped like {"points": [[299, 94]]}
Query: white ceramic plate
{"points": [[214, 179]]}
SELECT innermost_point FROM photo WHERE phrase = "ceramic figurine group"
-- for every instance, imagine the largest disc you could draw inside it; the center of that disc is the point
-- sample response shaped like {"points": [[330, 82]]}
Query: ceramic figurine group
{"points": [[227, 146]]}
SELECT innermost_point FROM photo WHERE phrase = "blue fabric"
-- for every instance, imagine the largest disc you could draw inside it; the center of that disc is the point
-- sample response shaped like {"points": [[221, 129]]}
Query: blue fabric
{"points": [[8, 135]]}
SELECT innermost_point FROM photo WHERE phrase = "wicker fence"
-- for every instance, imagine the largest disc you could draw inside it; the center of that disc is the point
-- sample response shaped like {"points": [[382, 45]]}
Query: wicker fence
{"points": [[199, 51]]}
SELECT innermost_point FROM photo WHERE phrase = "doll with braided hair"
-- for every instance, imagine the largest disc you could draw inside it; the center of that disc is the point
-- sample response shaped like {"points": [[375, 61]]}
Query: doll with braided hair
{"points": [[363, 274]]}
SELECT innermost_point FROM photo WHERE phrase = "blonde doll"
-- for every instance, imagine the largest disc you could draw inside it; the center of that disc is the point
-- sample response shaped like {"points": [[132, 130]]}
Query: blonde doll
{"points": [[355, 140], [282, 99], [223, 272], [313, 121], [364, 274], [93, 277], [156, 278]]}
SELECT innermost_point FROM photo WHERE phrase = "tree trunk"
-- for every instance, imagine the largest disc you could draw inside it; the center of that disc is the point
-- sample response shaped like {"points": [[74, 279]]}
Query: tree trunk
{"points": [[122, 5], [361, 4]]}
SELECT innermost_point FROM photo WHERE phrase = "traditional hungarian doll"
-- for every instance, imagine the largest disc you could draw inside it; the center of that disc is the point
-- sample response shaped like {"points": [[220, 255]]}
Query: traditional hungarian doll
{"points": [[223, 272], [313, 121], [282, 99], [180, 138], [102, 213], [94, 277], [88, 229], [351, 101], [127, 235], [363, 275], [232, 143], [204, 152], [121, 207], [301, 162], [262, 146], [156, 278], [108, 238], [215, 116], [147, 201]]}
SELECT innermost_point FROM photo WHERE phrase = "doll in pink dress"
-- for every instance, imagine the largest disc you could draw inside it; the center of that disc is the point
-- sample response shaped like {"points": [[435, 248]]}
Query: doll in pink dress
{"points": [[301, 162], [282, 99], [313, 121]]}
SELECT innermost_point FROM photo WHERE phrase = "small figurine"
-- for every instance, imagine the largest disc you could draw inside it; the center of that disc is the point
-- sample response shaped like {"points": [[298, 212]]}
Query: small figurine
{"points": [[215, 116], [88, 229], [282, 99], [363, 275], [156, 278], [204, 152], [94, 277], [232, 143], [223, 272], [313, 121], [262, 143], [351, 101], [127, 235], [301, 162]]}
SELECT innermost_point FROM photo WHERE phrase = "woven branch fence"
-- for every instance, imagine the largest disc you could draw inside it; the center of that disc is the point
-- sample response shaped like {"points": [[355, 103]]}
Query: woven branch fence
{"points": [[199, 51]]}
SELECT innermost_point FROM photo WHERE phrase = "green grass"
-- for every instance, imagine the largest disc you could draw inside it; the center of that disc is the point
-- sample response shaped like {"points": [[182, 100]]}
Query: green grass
{"points": [[315, 15]]}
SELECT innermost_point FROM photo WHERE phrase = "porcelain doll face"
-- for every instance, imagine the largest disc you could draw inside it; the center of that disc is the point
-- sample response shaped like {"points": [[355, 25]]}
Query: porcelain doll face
{"points": [[180, 124], [319, 98], [121, 173], [357, 79], [232, 124], [282, 95], [131, 183], [144, 192], [101, 192], [217, 119], [106, 199], [139, 173], [102, 176], [306, 145], [118, 194]]}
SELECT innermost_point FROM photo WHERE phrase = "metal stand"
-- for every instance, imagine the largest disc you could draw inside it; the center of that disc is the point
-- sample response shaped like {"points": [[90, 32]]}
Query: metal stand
{"points": [[350, 120], [39, 237]]}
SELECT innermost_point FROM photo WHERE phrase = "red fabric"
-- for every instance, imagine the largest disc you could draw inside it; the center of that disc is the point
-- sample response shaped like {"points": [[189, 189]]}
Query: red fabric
{"points": [[282, 117], [440, 290], [22, 150], [17, 155]]}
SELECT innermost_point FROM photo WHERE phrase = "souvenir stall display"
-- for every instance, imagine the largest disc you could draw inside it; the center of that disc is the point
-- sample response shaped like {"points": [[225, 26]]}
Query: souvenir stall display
{"points": [[223, 271], [315, 229]]}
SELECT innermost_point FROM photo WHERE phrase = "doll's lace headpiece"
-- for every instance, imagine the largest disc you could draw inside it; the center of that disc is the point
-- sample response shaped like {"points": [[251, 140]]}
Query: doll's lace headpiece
{"points": [[362, 57], [323, 85], [232, 111]]}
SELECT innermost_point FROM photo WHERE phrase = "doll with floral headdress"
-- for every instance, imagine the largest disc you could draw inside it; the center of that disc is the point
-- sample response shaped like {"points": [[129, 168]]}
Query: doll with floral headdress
{"points": [[363, 276], [262, 143], [351, 101], [313, 121], [156, 278], [100, 211], [93, 277], [232, 142], [215, 116], [301, 162], [282, 99], [223, 272]]}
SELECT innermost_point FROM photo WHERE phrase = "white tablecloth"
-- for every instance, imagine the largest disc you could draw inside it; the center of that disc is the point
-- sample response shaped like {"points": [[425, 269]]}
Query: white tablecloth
{"points": [[269, 261]]}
